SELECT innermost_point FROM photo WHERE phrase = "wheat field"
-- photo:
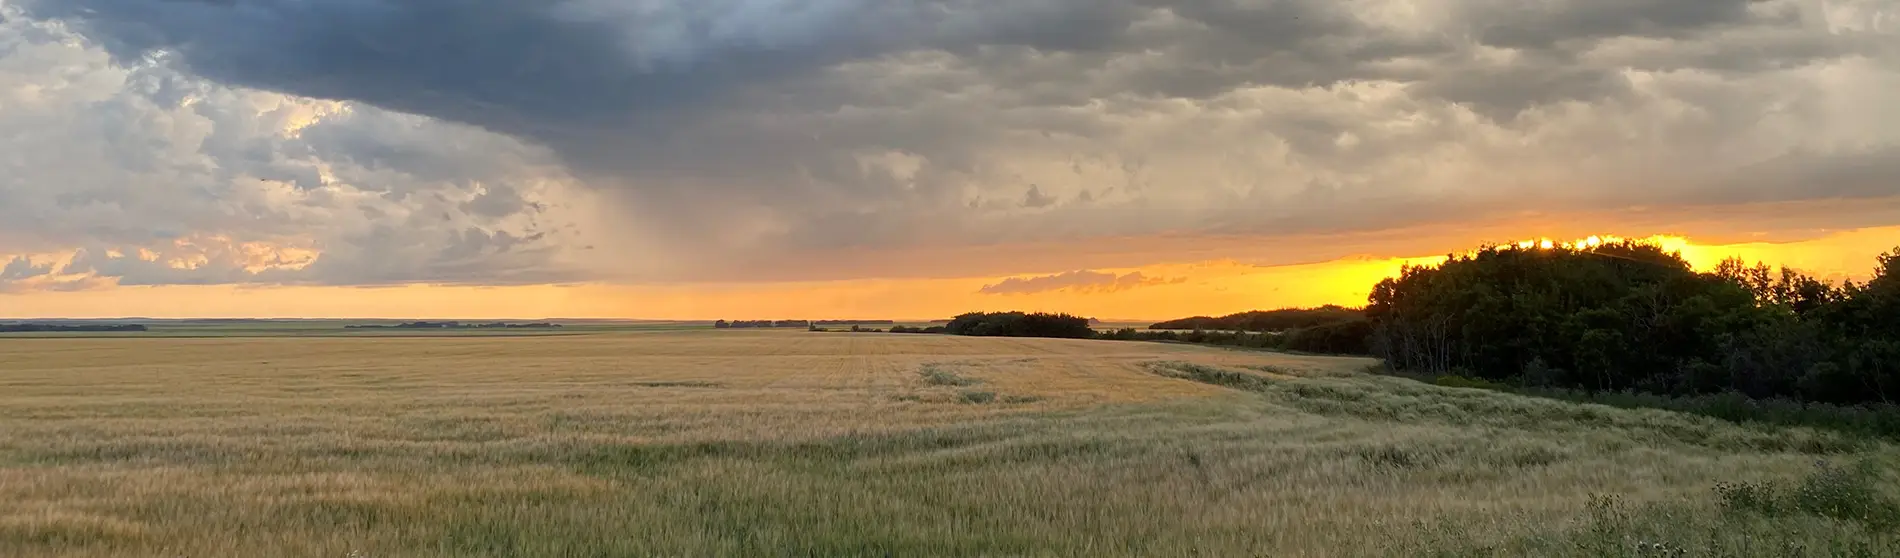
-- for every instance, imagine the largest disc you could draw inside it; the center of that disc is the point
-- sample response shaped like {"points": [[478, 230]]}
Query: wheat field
{"points": [[766, 443]]}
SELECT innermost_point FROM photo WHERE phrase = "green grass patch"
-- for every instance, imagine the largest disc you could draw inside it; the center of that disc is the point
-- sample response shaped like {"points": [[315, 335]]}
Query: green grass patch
{"points": [[1849, 493], [1832, 512], [936, 375]]}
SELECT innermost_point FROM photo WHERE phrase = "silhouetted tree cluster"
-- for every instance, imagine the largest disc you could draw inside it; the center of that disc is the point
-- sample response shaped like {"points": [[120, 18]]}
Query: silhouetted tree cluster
{"points": [[457, 325], [1347, 337], [1341, 338], [51, 328], [920, 330], [741, 324], [1632, 317], [1018, 324], [1268, 320]]}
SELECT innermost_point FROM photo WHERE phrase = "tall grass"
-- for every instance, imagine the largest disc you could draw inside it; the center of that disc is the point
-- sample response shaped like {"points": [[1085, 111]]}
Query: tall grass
{"points": [[1882, 421]]}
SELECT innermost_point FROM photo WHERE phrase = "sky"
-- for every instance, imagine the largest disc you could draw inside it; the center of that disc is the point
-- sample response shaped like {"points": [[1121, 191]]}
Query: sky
{"points": [[701, 159]]}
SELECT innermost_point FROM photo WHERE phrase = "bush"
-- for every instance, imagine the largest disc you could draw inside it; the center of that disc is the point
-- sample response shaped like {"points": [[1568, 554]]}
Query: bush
{"points": [[1845, 493], [1456, 381]]}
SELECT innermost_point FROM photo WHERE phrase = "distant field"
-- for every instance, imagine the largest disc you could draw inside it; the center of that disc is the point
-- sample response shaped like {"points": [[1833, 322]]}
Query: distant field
{"points": [[788, 443]]}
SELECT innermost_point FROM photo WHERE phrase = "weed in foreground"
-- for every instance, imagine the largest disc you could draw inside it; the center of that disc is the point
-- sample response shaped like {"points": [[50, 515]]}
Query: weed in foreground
{"points": [[1833, 511], [937, 376], [1211, 375], [1846, 493]]}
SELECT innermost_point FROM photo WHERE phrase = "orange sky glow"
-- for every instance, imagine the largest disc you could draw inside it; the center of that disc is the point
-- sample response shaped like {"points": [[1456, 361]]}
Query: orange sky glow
{"points": [[1215, 286]]}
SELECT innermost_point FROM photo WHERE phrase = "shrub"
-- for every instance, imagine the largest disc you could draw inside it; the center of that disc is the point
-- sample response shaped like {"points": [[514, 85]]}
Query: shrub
{"points": [[1845, 493], [1456, 381]]}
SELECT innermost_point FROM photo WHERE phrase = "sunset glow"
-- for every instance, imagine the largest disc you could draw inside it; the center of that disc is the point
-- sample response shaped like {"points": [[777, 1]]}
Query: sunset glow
{"points": [[1171, 290]]}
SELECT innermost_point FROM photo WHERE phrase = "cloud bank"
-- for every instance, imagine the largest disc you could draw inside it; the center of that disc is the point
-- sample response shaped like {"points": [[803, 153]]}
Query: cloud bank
{"points": [[381, 141]]}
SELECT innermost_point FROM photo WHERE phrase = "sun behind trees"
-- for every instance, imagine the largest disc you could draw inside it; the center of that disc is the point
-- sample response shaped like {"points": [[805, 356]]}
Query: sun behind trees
{"points": [[1631, 316], [1601, 316]]}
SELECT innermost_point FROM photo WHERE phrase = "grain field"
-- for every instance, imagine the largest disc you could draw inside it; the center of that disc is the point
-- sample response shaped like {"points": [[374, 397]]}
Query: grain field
{"points": [[761, 443]]}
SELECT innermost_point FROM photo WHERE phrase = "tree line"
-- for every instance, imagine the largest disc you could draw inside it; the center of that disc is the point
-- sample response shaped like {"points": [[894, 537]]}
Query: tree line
{"points": [[457, 325], [1268, 320], [1339, 338], [55, 328], [741, 324], [1630, 316], [1345, 336]]}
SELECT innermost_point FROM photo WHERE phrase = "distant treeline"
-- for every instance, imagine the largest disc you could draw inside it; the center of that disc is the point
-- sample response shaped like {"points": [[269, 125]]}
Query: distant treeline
{"points": [[1344, 338], [49, 328], [857, 328], [762, 323], [456, 325], [1341, 338], [1632, 317], [1269, 320], [741, 324], [935, 329]]}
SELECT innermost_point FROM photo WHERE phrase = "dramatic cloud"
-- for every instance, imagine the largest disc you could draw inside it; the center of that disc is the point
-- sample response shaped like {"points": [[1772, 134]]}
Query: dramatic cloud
{"points": [[379, 141], [139, 173], [1077, 281]]}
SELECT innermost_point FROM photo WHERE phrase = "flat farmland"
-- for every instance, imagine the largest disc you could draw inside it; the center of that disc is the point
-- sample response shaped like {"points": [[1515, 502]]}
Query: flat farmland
{"points": [[776, 443]]}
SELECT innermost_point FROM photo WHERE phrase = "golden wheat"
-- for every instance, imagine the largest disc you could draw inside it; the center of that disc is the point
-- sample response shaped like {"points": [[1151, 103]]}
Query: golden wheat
{"points": [[778, 443]]}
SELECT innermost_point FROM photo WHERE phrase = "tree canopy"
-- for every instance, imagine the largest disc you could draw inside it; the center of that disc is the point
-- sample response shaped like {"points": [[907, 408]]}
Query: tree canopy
{"points": [[1630, 316]]}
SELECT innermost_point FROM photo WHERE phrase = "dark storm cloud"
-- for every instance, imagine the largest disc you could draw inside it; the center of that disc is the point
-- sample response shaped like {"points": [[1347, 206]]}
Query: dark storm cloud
{"points": [[1548, 25], [552, 69], [562, 70], [714, 134]]}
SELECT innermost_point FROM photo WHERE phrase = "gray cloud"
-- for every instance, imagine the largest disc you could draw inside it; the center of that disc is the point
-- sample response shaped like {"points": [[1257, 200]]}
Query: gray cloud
{"points": [[23, 268], [693, 140], [1079, 281], [1035, 199]]}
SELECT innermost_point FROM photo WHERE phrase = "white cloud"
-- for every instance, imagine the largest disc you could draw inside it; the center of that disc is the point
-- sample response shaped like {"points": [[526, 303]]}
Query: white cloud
{"points": [[220, 183]]}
